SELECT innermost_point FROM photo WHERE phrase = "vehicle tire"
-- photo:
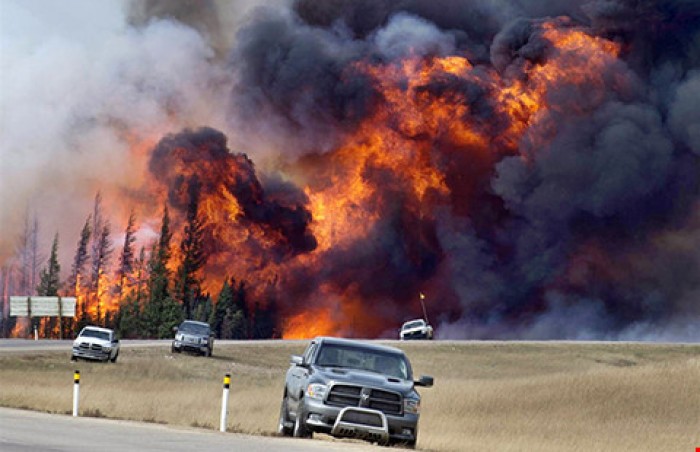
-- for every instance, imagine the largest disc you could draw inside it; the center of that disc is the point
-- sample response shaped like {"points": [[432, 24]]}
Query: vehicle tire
{"points": [[403, 444], [114, 360], [300, 428], [73, 358], [282, 429]]}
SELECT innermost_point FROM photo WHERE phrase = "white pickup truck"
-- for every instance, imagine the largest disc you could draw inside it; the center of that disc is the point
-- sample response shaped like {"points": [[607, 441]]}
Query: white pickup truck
{"points": [[96, 343], [416, 329]]}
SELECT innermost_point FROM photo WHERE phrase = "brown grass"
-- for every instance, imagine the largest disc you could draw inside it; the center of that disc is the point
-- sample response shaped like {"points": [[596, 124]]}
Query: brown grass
{"points": [[488, 396]]}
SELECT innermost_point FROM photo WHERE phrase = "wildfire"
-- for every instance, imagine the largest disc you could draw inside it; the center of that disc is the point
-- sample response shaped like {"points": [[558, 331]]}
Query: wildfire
{"points": [[435, 131], [423, 109], [310, 324]]}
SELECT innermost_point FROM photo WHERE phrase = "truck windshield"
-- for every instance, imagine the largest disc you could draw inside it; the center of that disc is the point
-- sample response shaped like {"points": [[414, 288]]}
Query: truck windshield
{"points": [[95, 333], [416, 324], [385, 363], [193, 328]]}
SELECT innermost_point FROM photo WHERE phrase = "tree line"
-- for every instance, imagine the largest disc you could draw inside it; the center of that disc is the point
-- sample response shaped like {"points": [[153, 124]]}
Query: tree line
{"points": [[142, 297]]}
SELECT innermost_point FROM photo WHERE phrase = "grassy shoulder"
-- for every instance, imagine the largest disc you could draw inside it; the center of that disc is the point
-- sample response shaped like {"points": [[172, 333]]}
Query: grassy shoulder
{"points": [[487, 396]]}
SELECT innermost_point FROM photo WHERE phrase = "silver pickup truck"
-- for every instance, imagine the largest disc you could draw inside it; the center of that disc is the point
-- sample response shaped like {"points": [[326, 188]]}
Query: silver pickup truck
{"points": [[193, 336], [348, 388]]}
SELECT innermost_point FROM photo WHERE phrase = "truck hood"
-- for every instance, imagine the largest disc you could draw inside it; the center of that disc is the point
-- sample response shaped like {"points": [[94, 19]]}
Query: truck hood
{"points": [[92, 340], [363, 378]]}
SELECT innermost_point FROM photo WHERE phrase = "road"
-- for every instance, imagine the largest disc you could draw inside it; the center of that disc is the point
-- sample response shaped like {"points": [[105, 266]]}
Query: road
{"points": [[25, 431], [27, 345]]}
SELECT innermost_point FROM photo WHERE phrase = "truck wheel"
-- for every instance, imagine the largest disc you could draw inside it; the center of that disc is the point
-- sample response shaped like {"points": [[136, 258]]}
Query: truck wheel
{"points": [[403, 444], [300, 428], [114, 360], [282, 428]]}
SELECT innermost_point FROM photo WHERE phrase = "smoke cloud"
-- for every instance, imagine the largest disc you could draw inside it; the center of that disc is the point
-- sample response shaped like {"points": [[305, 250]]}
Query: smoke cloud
{"points": [[532, 167]]}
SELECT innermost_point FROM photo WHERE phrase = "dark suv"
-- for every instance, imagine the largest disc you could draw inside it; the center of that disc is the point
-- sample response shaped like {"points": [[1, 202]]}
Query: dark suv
{"points": [[193, 336], [352, 389]]}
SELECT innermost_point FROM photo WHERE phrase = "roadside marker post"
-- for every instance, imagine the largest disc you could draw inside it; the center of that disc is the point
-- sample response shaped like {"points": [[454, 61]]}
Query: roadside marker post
{"points": [[76, 392], [224, 402]]}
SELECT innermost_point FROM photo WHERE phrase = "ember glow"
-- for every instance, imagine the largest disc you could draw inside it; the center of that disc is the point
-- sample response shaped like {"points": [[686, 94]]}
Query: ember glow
{"points": [[515, 166]]}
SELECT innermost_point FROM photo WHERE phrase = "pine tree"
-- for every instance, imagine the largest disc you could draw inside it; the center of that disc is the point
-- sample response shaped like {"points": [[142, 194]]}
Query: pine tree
{"points": [[76, 279], [188, 290], [204, 309], [233, 325], [27, 251], [224, 303], [99, 266], [49, 283], [126, 259], [6, 288], [100, 250], [263, 321], [161, 312], [27, 254], [49, 276], [228, 319], [241, 302], [171, 316]]}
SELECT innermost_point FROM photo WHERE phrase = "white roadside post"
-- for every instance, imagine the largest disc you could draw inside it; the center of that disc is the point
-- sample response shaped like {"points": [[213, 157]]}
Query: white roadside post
{"points": [[224, 402], [76, 392]]}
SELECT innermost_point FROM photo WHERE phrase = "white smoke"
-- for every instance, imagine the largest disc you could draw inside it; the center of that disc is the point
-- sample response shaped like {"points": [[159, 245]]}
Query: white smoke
{"points": [[79, 89]]}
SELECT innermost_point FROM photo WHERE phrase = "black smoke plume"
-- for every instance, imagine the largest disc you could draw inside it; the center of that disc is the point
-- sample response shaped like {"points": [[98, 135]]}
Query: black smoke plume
{"points": [[593, 234], [200, 159]]}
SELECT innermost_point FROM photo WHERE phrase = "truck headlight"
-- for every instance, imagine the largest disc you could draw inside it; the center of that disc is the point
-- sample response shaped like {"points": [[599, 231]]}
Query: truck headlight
{"points": [[411, 406], [316, 391], [205, 341]]}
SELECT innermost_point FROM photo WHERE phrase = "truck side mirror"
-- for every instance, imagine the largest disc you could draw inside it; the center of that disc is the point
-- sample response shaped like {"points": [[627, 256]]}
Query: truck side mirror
{"points": [[425, 380], [296, 360]]}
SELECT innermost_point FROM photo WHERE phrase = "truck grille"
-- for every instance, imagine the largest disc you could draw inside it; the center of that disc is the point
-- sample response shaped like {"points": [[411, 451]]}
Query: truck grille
{"points": [[358, 417], [415, 335], [85, 347], [387, 402]]}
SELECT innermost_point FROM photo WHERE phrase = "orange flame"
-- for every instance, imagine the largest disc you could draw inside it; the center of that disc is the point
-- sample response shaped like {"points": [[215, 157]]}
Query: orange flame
{"points": [[393, 149]]}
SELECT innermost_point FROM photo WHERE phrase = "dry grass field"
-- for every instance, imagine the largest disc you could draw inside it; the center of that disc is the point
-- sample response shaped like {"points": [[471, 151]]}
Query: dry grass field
{"points": [[488, 396]]}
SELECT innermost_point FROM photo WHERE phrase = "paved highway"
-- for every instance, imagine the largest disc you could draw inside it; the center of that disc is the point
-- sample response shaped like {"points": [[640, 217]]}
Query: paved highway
{"points": [[26, 345], [29, 431]]}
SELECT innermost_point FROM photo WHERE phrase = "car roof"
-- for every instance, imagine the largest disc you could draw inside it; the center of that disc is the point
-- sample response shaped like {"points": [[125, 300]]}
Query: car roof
{"points": [[196, 322], [414, 320], [97, 328], [355, 342]]}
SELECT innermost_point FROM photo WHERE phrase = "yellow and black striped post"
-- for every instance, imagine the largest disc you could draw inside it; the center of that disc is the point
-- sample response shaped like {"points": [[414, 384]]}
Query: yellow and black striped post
{"points": [[224, 402], [76, 392]]}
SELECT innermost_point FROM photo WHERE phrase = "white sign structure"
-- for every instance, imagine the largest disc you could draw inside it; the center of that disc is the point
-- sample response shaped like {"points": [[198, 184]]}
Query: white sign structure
{"points": [[42, 306]]}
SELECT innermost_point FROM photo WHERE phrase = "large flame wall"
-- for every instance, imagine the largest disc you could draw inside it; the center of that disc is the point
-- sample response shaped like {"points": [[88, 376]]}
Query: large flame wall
{"points": [[533, 170]]}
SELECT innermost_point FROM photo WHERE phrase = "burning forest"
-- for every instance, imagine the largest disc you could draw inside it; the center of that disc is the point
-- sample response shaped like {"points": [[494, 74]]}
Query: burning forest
{"points": [[308, 168]]}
